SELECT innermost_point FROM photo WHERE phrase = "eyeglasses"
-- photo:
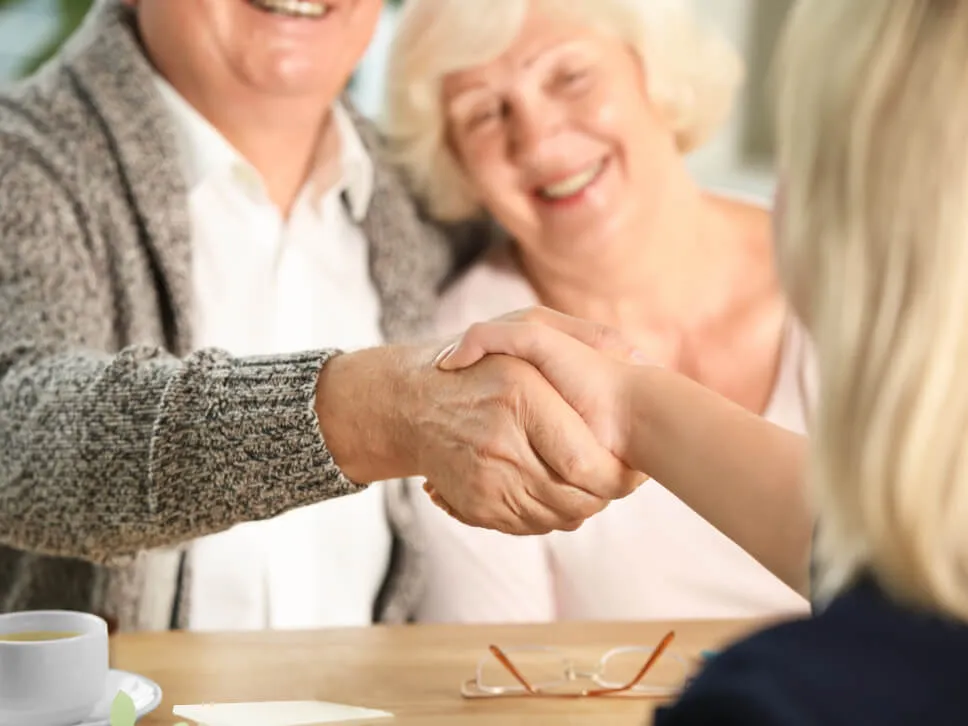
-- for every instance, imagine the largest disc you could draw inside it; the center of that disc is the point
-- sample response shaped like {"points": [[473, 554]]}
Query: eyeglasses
{"points": [[630, 671]]}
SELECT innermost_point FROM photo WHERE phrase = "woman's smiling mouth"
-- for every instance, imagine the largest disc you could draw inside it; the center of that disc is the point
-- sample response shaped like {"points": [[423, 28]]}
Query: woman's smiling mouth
{"points": [[572, 185]]}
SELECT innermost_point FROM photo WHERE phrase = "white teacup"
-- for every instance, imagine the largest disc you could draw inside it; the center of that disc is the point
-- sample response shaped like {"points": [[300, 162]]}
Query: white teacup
{"points": [[53, 667]]}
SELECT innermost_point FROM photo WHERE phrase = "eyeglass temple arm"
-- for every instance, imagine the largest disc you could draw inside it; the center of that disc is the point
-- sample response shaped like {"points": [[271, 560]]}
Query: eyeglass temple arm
{"points": [[656, 654], [512, 669]]}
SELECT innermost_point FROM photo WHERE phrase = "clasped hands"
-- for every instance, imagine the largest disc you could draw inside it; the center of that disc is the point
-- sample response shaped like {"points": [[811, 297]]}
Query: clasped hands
{"points": [[567, 384], [522, 425]]}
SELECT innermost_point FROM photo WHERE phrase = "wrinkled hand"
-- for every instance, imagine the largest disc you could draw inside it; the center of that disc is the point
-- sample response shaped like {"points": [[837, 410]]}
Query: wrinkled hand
{"points": [[502, 449], [587, 363], [496, 441]]}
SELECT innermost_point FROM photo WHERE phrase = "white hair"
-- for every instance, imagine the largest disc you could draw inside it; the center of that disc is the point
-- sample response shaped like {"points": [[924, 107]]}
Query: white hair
{"points": [[873, 243], [693, 75]]}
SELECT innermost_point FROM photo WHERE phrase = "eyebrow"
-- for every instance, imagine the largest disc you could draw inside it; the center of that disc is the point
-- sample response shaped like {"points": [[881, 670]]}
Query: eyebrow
{"points": [[473, 90], [561, 47], [465, 98]]}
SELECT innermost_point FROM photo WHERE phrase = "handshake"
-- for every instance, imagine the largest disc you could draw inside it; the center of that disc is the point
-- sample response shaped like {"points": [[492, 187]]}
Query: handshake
{"points": [[524, 425]]}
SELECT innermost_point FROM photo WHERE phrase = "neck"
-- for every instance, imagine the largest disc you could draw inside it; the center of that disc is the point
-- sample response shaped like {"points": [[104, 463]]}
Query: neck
{"points": [[283, 144], [668, 272]]}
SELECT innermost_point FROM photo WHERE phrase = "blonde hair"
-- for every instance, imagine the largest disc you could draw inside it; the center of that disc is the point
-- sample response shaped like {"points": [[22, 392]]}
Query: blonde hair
{"points": [[873, 139], [693, 76]]}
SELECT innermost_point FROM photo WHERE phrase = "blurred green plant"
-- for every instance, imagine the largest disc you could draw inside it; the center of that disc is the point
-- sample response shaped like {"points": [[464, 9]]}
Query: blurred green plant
{"points": [[69, 16]]}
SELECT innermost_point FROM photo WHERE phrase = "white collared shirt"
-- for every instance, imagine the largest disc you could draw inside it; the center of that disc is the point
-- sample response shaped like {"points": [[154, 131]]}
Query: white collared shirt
{"points": [[265, 285]]}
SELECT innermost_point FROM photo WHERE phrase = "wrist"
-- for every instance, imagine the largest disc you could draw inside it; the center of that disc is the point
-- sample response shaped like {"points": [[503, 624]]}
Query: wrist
{"points": [[359, 417], [642, 391]]}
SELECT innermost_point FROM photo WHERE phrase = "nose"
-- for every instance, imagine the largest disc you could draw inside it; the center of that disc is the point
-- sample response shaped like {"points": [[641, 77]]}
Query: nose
{"points": [[530, 123]]}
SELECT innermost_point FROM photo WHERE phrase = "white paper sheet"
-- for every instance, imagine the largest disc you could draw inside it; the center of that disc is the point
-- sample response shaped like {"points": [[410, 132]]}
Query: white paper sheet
{"points": [[278, 713]]}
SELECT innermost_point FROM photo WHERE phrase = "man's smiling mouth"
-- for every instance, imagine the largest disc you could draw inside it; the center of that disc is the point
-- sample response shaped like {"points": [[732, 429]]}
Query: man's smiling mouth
{"points": [[293, 8]]}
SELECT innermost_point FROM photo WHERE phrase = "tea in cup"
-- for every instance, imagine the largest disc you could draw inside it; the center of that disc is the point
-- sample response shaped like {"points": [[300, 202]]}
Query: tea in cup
{"points": [[53, 667]]}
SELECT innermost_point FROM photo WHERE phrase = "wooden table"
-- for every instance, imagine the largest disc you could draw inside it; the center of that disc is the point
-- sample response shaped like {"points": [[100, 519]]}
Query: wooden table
{"points": [[413, 671]]}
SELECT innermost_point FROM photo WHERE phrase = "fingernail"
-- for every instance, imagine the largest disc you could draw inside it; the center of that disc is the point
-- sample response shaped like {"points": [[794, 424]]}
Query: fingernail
{"points": [[444, 354]]}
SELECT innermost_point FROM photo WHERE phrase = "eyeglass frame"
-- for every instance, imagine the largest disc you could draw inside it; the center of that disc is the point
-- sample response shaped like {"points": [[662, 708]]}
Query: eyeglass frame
{"points": [[571, 674]]}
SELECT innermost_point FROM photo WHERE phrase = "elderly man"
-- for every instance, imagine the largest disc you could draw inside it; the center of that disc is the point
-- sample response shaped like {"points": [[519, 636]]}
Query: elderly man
{"points": [[194, 227]]}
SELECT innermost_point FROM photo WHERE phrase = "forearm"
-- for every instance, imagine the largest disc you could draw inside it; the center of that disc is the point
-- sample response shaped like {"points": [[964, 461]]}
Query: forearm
{"points": [[105, 455], [744, 475]]}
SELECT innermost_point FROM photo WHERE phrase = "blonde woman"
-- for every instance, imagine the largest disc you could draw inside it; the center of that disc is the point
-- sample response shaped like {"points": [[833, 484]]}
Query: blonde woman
{"points": [[873, 249], [567, 122]]}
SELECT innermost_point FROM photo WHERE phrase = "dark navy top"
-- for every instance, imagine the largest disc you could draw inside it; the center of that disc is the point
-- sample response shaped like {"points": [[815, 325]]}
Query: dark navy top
{"points": [[864, 660]]}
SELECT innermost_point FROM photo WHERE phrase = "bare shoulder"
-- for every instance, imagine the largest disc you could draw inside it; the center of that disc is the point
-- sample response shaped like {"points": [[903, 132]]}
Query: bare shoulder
{"points": [[750, 217]]}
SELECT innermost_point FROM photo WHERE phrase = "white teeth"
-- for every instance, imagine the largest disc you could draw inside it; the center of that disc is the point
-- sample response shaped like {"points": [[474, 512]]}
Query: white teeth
{"points": [[296, 8], [573, 184]]}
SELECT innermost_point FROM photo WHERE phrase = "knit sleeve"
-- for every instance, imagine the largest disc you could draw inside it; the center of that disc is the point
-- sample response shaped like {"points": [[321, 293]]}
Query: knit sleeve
{"points": [[106, 452]]}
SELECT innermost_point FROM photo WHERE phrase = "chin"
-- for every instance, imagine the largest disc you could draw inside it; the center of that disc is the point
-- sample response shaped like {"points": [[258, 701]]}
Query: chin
{"points": [[290, 77], [584, 248], [594, 237]]}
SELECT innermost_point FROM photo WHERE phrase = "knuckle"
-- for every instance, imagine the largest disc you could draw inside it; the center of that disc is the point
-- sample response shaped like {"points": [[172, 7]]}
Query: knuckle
{"points": [[607, 337], [578, 469], [529, 315], [633, 481], [491, 448], [541, 312], [510, 387], [534, 316], [591, 507], [474, 334], [572, 526], [476, 329]]}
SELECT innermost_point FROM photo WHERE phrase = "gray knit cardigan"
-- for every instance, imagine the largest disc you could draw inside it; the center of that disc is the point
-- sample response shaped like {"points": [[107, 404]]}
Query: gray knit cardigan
{"points": [[119, 442]]}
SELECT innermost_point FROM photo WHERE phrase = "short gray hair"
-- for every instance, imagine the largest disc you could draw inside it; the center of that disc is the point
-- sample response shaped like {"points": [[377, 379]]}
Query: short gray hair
{"points": [[694, 74]]}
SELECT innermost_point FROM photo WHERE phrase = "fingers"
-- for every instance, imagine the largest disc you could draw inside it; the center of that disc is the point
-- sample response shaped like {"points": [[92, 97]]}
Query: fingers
{"points": [[518, 528], [439, 501], [534, 343], [602, 338], [590, 474], [536, 335], [540, 520]]}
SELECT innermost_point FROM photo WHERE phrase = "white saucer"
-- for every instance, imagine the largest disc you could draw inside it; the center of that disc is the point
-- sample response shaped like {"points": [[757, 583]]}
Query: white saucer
{"points": [[145, 693]]}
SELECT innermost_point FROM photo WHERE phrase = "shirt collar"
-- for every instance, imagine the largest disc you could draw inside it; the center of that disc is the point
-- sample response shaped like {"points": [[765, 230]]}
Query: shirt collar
{"points": [[357, 176], [205, 152]]}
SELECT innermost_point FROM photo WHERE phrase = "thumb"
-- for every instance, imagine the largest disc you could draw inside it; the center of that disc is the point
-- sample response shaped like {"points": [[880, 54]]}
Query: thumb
{"points": [[535, 343], [509, 336]]}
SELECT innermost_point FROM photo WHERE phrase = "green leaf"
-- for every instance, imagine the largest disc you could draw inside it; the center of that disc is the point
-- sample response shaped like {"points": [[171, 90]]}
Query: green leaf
{"points": [[69, 15], [122, 710]]}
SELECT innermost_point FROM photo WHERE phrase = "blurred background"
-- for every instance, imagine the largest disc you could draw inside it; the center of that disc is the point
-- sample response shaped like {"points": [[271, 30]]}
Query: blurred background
{"points": [[740, 158]]}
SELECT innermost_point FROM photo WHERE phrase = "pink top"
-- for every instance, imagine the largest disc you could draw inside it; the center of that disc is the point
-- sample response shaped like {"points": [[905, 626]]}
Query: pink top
{"points": [[647, 556]]}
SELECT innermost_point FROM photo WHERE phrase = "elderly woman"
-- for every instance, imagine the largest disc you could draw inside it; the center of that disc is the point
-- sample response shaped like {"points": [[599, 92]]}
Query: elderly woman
{"points": [[567, 122], [873, 131]]}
